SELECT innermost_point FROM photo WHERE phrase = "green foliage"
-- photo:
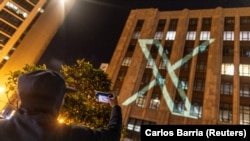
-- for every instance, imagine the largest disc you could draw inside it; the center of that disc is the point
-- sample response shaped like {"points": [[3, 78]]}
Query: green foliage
{"points": [[81, 108]]}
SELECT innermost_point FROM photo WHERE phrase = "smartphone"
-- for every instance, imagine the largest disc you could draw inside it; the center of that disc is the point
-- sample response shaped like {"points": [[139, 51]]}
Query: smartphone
{"points": [[103, 96]]}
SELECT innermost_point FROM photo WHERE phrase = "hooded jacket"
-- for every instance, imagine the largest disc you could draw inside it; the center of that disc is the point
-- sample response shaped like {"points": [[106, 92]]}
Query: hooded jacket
{"points": [[41, 93], [45, 127]]}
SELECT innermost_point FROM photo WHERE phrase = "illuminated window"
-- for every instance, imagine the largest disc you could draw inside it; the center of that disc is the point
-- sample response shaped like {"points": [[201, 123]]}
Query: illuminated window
{"points": [[244, 70], [227, 69], [158, 35], [171, 35], [191, 35], [13, 8], [205, 35], [245, 90], [140, 101], [134, 128], [150, 63], [126, 61], [245, 115], [154, 101], [228, 36], [244, 35], [226, 88]]}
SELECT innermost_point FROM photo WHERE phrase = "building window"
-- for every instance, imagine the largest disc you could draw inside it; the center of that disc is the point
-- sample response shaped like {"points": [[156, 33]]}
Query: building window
{"points": [[185, 67], [162, 64], [17, 11], [206, 22], [225, 112], [154, 101], [245, 115], [191, 35], [136, 35], [7, 28], [228, 36], [244, 35], [131, 47], [170, 35], [244, 21], [126, 61], [3, 39], [183, 84], [226, 88], [245, 51], [121, 75], [25, 4], [134, 128], [227, 69], [196, 109], [193, 22], [150, 63], [245, 90], [140, 101], [199, 85], [10, 18], [205, 35], [244, 70], [201, 66], [179, 106], [145, 78], [228, 51], [158, 35], [229, 21]]}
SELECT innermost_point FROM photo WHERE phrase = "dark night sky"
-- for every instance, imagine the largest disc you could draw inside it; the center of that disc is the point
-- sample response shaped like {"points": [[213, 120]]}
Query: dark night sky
{"points": [[92, 28]]}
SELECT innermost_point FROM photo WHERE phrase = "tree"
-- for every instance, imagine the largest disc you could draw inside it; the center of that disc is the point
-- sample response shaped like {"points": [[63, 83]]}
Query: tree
{"points": [[81, 108]]}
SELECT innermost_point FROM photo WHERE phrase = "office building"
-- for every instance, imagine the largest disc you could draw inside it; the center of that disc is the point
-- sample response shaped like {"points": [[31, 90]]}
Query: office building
{"points": [[26, 29], [183, 67]]}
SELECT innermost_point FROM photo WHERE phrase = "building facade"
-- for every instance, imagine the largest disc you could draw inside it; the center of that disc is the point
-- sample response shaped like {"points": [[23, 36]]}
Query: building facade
{"points": [[183, 67], [26, 29]]}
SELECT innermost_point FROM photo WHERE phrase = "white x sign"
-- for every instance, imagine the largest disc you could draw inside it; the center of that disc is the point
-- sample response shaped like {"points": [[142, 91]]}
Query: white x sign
{"points": [[159, 80]]}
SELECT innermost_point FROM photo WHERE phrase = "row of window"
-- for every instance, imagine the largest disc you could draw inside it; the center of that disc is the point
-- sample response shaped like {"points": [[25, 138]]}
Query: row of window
{"points": [[191, 35], [226, 68]]}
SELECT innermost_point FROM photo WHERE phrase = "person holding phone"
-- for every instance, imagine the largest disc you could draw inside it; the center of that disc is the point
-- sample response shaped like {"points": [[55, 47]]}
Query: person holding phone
{"points": [[41, 95]]}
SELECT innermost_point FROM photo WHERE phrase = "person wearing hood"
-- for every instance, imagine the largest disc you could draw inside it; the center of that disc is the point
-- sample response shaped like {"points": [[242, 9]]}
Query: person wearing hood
{"points": [[41, 95]]}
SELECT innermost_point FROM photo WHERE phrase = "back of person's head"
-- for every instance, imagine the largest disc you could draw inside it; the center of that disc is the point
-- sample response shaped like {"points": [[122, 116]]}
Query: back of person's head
{"points": [[42, 91]]}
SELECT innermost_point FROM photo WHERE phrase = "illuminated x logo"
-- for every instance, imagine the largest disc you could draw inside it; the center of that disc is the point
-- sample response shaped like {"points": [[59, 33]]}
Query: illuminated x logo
{"points": [[159, 80]]}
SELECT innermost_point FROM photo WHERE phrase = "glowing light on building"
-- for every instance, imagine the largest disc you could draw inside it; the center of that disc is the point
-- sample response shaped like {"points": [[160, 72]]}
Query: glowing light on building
{"points": [[159, 80]]}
